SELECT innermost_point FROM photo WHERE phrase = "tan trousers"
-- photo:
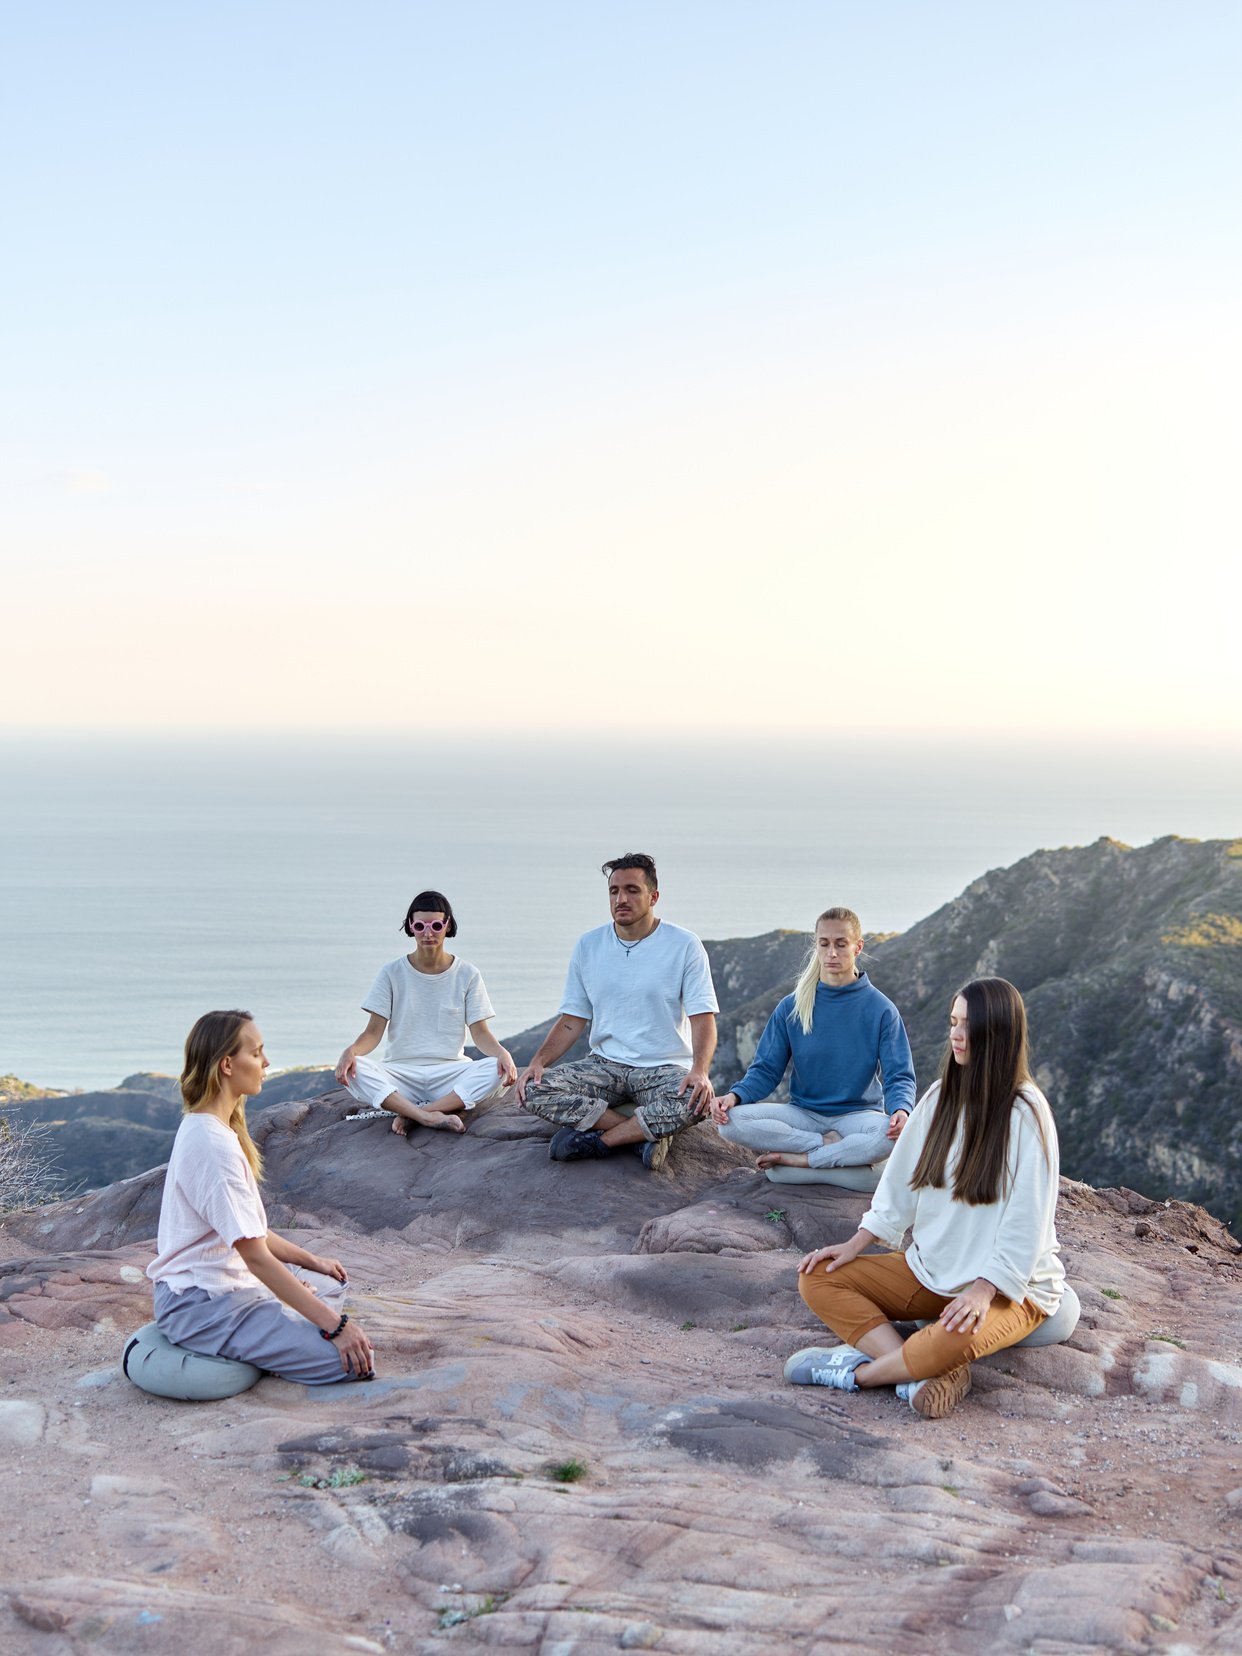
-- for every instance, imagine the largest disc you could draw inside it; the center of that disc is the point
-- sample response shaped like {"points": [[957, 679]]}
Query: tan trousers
{"points": [[878, 1288]]}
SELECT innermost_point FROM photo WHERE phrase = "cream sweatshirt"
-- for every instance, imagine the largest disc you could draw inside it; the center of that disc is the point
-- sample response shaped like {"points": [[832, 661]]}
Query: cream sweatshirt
{"points": [[1012, 1242]]}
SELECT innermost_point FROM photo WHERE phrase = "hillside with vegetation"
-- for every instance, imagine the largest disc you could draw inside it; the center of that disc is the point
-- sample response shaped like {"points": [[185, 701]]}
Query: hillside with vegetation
{"points": [[1130, 962]]}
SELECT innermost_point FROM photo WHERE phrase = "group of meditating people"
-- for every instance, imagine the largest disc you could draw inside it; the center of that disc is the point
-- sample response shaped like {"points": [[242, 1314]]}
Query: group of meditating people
{"points": [[970, 1171]]}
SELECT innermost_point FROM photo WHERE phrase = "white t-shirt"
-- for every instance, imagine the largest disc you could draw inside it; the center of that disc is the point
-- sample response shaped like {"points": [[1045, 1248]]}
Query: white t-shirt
{"points": [[210, 1201], [641, 996], [1012, 1241], [428, 1012]]}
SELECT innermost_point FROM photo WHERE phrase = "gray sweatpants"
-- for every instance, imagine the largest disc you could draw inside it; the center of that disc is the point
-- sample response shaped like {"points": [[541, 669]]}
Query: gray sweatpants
{"points": [[577, 1094], [253, 1326], [769, 1126]]}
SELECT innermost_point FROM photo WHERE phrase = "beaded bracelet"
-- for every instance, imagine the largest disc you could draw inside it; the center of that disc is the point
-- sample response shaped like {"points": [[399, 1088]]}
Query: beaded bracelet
{"points": [[323, 1333]]}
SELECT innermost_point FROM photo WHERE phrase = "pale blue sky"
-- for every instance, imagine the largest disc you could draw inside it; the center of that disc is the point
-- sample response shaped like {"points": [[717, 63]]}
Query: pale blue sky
{"points": [[651, 333]]}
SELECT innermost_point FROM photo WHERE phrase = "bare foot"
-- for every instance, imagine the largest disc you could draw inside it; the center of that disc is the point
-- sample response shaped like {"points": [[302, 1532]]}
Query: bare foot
{"points": [[440, 1120], [782, 1158], [399, 1126]]}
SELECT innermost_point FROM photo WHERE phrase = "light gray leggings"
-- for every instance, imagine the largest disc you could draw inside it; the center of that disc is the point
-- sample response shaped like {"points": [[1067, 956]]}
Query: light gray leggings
{"points": [[769, 1126], [253, 1326]]}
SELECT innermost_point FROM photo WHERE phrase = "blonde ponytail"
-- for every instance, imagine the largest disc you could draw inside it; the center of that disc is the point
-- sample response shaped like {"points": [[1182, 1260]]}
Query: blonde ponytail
{"points": [[804, 992], [804, 989]]}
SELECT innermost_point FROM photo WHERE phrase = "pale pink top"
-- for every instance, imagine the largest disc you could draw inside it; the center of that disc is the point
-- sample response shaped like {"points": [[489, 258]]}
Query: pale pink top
{"points": [[211, 1200]]}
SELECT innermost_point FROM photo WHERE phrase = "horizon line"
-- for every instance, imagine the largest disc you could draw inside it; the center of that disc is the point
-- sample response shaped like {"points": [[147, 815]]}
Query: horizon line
{"points": [[660, 737]]}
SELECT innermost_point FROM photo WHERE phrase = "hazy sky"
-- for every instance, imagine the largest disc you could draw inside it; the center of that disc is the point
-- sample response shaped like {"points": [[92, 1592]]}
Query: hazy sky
{"points": [[545, 366]]}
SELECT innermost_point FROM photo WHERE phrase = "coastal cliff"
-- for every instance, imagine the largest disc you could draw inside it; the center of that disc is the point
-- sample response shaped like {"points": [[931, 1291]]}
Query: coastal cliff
{"points": [[1130, 961]]}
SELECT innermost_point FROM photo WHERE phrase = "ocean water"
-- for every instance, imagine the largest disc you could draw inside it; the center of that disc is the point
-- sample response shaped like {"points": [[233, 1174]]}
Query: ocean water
{"points": [[145, 881]]}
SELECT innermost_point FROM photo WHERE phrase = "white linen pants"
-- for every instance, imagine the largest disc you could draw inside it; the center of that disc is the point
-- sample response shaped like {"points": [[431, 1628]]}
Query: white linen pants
{"points": [[472, 1079]]}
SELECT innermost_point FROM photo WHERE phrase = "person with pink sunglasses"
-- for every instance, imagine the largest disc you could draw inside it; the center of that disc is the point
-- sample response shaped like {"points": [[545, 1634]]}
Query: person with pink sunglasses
{"points": [[427, 1000]]}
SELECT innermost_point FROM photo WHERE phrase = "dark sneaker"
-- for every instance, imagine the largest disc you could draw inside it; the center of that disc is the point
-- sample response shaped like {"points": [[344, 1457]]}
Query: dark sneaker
{"points": [[571, 1145], [654, 1152]]}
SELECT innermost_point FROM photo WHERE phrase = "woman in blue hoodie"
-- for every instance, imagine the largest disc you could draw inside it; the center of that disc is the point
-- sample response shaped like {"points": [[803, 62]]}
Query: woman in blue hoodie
{"points": [[852, 1086]]}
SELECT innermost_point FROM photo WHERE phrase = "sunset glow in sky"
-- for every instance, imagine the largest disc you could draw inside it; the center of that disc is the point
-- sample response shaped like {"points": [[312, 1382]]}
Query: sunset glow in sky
{"points": [[501, 366]]}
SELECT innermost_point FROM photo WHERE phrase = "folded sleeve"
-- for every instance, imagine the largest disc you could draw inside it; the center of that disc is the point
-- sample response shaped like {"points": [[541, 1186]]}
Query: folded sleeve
{"points": [[221, 1190], [234, 1211], [575, 1002], [478, 1003], [698, 993], [378, 998]]}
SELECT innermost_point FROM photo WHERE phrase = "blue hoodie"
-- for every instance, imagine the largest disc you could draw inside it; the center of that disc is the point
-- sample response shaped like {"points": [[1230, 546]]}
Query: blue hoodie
{"points": [[857, 1056]]}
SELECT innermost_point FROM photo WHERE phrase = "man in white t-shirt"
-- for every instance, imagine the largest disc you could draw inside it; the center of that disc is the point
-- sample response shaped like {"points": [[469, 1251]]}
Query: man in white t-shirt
{"points": [[645, 988]]}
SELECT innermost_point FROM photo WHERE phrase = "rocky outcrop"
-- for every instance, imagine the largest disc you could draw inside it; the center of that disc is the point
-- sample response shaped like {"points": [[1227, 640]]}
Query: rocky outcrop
{"points": [[1130, 961], [93, 1139], [89, 1139], [579, 1439], [1130, 964], [13, 1090], [483, 1189]]}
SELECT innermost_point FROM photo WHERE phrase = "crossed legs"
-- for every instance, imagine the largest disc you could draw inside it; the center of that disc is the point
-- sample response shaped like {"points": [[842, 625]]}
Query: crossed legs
{"points": [[858, 1301], [795, 1137], [431, 1095], [624, 1103]]}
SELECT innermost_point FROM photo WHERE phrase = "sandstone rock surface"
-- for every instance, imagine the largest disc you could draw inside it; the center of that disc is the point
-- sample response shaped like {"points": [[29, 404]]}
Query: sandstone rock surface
{"points": [[579, 1440]]}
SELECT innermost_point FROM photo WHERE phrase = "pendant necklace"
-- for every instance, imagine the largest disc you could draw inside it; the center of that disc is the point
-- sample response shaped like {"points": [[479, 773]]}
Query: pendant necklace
{"points": [[630, 947]]}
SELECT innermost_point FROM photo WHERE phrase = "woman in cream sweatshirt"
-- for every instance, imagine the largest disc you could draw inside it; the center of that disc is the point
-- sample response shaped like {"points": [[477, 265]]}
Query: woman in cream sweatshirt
{"points": [[974, 1178]]}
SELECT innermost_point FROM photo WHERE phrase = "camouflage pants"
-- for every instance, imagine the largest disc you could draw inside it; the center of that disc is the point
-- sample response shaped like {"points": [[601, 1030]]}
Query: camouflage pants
{"points": [[577, 1094]]}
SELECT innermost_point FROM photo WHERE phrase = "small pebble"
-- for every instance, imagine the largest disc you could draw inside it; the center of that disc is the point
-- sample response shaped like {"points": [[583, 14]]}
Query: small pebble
{"points": [[641, 1636]]}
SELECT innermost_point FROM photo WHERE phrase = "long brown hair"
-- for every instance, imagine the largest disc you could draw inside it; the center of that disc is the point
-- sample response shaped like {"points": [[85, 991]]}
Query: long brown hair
{"points": [[215, 1037], [979, 1095]]}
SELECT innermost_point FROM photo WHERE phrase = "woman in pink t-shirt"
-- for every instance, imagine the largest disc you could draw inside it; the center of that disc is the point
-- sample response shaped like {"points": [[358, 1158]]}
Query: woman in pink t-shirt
{"points": [[226, 1285]]}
